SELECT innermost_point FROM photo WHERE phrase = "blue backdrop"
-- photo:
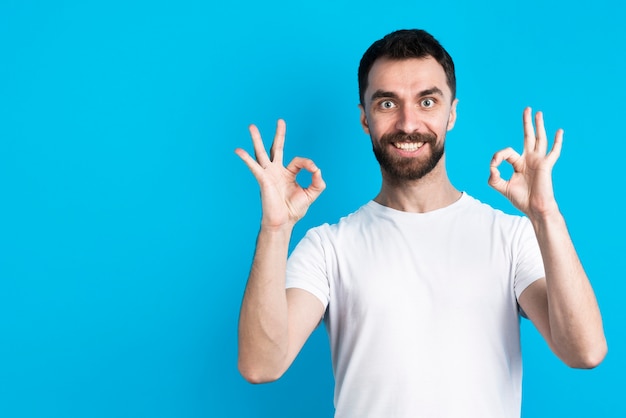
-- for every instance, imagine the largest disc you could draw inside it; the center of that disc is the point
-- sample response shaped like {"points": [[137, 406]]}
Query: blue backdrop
{"points": [[127, 223]]}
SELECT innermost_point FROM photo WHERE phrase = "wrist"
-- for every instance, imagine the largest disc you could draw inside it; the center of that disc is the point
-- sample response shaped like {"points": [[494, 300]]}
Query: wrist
{"points": [[546, 218], [273, 228]]}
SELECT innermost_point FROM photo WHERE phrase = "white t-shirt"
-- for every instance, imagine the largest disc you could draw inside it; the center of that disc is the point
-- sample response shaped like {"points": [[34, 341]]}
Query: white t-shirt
{"points": [[421, 308]]}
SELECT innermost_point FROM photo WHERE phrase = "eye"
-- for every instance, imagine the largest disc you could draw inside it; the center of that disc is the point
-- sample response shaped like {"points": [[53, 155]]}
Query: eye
{"points": [[428, 103], [387, 104]]}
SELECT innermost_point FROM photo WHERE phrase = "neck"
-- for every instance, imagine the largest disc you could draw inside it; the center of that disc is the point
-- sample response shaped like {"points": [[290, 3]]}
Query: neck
{"points": [[431, 192]]}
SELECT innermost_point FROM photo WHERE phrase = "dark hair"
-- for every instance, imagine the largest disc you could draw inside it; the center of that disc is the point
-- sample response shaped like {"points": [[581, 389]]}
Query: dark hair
{"points": [[403, 44]]}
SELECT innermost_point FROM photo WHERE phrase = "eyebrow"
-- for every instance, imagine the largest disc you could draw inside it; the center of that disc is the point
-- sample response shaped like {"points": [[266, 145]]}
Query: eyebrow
{"points": [[431, 91], [379, 94]]}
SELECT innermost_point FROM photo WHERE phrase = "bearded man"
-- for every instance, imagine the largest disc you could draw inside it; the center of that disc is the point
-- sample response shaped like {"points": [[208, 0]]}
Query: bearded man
{"points": [[422, 288]]}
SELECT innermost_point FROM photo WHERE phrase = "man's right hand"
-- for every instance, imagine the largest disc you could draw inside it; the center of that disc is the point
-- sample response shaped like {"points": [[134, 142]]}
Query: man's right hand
{"points": [[283, 200], [275, 323]]}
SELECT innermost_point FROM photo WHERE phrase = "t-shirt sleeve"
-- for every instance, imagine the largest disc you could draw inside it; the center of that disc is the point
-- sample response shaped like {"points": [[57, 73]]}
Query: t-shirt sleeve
{"points": [[529, 266], [306, 267]]}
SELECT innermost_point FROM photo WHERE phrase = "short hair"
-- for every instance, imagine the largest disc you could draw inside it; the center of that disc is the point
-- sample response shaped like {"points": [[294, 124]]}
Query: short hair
{"points": [[404, 44]]}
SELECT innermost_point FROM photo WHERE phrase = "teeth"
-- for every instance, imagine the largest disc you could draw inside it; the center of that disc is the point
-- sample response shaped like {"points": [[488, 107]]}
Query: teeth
{"points": [[408, 146]]}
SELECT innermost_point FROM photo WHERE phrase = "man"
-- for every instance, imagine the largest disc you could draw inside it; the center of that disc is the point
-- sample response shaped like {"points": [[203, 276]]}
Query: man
{"points": [[421, 289]]}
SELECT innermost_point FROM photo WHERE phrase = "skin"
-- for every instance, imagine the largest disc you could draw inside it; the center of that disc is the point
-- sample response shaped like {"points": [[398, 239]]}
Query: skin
{"points": [[411, 96], [274, 323], [407, 97], [562, 306]]}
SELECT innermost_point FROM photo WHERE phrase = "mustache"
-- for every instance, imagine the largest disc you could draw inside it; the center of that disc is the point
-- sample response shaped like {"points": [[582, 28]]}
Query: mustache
{"points": [[414, 137]]}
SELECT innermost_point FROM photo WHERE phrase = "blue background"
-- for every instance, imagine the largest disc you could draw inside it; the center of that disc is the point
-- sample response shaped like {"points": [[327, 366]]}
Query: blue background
{"points": [[127, 223]]}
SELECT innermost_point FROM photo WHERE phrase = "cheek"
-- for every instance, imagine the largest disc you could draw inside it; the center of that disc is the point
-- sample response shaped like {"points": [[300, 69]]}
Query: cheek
{"points": [[380, 124], [443, 123]]}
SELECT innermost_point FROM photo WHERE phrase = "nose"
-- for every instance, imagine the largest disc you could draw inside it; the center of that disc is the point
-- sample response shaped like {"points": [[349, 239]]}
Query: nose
{"points": [[409, 120]]}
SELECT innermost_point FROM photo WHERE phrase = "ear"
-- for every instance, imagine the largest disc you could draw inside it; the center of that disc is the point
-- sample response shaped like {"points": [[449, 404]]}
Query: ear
{"points": [[452, 116], [364, 123]]}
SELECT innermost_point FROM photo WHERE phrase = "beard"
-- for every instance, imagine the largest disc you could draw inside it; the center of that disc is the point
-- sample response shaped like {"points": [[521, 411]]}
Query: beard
{"points": [[403, 168]]}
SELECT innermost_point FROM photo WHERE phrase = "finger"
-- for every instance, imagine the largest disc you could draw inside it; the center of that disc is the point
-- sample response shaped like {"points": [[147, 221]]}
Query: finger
{"points": [[510, 156], [299, 163], [541, 144], [259, 149], [495, 178], [529, 130], [496, 181], [276, 153], [555, 152], [317, 185], [252, 164]]}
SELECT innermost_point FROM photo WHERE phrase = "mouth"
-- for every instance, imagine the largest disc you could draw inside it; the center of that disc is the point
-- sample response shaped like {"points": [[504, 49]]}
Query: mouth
{"points": [[408, 146]]}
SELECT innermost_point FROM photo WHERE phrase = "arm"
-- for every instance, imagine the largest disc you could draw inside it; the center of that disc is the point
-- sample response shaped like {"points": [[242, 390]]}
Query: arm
{"points": [[274, 323], [562, 306]]}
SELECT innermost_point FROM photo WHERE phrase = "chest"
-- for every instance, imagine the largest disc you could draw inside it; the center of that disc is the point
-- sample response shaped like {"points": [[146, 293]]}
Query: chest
{"points": [[423, 272]]}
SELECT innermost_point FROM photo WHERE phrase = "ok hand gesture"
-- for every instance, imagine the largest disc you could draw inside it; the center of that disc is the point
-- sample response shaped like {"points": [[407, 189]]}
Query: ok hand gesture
{"points": [[283, 200], [530, 187]]}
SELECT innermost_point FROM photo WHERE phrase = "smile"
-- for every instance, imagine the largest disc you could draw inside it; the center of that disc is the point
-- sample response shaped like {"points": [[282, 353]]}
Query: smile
{"points": [[408, 146]]}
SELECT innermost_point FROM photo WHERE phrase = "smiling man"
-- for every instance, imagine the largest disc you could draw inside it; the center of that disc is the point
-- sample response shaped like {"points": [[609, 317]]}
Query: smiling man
{"points": [[422, 288]]}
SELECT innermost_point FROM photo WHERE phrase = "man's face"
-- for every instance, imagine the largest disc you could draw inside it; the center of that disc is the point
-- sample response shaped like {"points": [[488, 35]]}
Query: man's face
{"points": [[408, 110]]}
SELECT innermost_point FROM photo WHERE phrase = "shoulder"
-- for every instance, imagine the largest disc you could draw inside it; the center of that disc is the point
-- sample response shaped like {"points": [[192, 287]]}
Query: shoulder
{"points": [[348, 229], [364, 214], [506, 227], [480, 208]]}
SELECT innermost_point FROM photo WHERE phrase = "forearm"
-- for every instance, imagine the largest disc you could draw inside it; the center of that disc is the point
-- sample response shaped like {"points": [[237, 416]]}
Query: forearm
{"points": [[575, 322], [263, 325]]}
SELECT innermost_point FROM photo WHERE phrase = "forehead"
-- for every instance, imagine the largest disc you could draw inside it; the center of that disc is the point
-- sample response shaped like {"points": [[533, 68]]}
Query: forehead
{"points": [[406, 76]]}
